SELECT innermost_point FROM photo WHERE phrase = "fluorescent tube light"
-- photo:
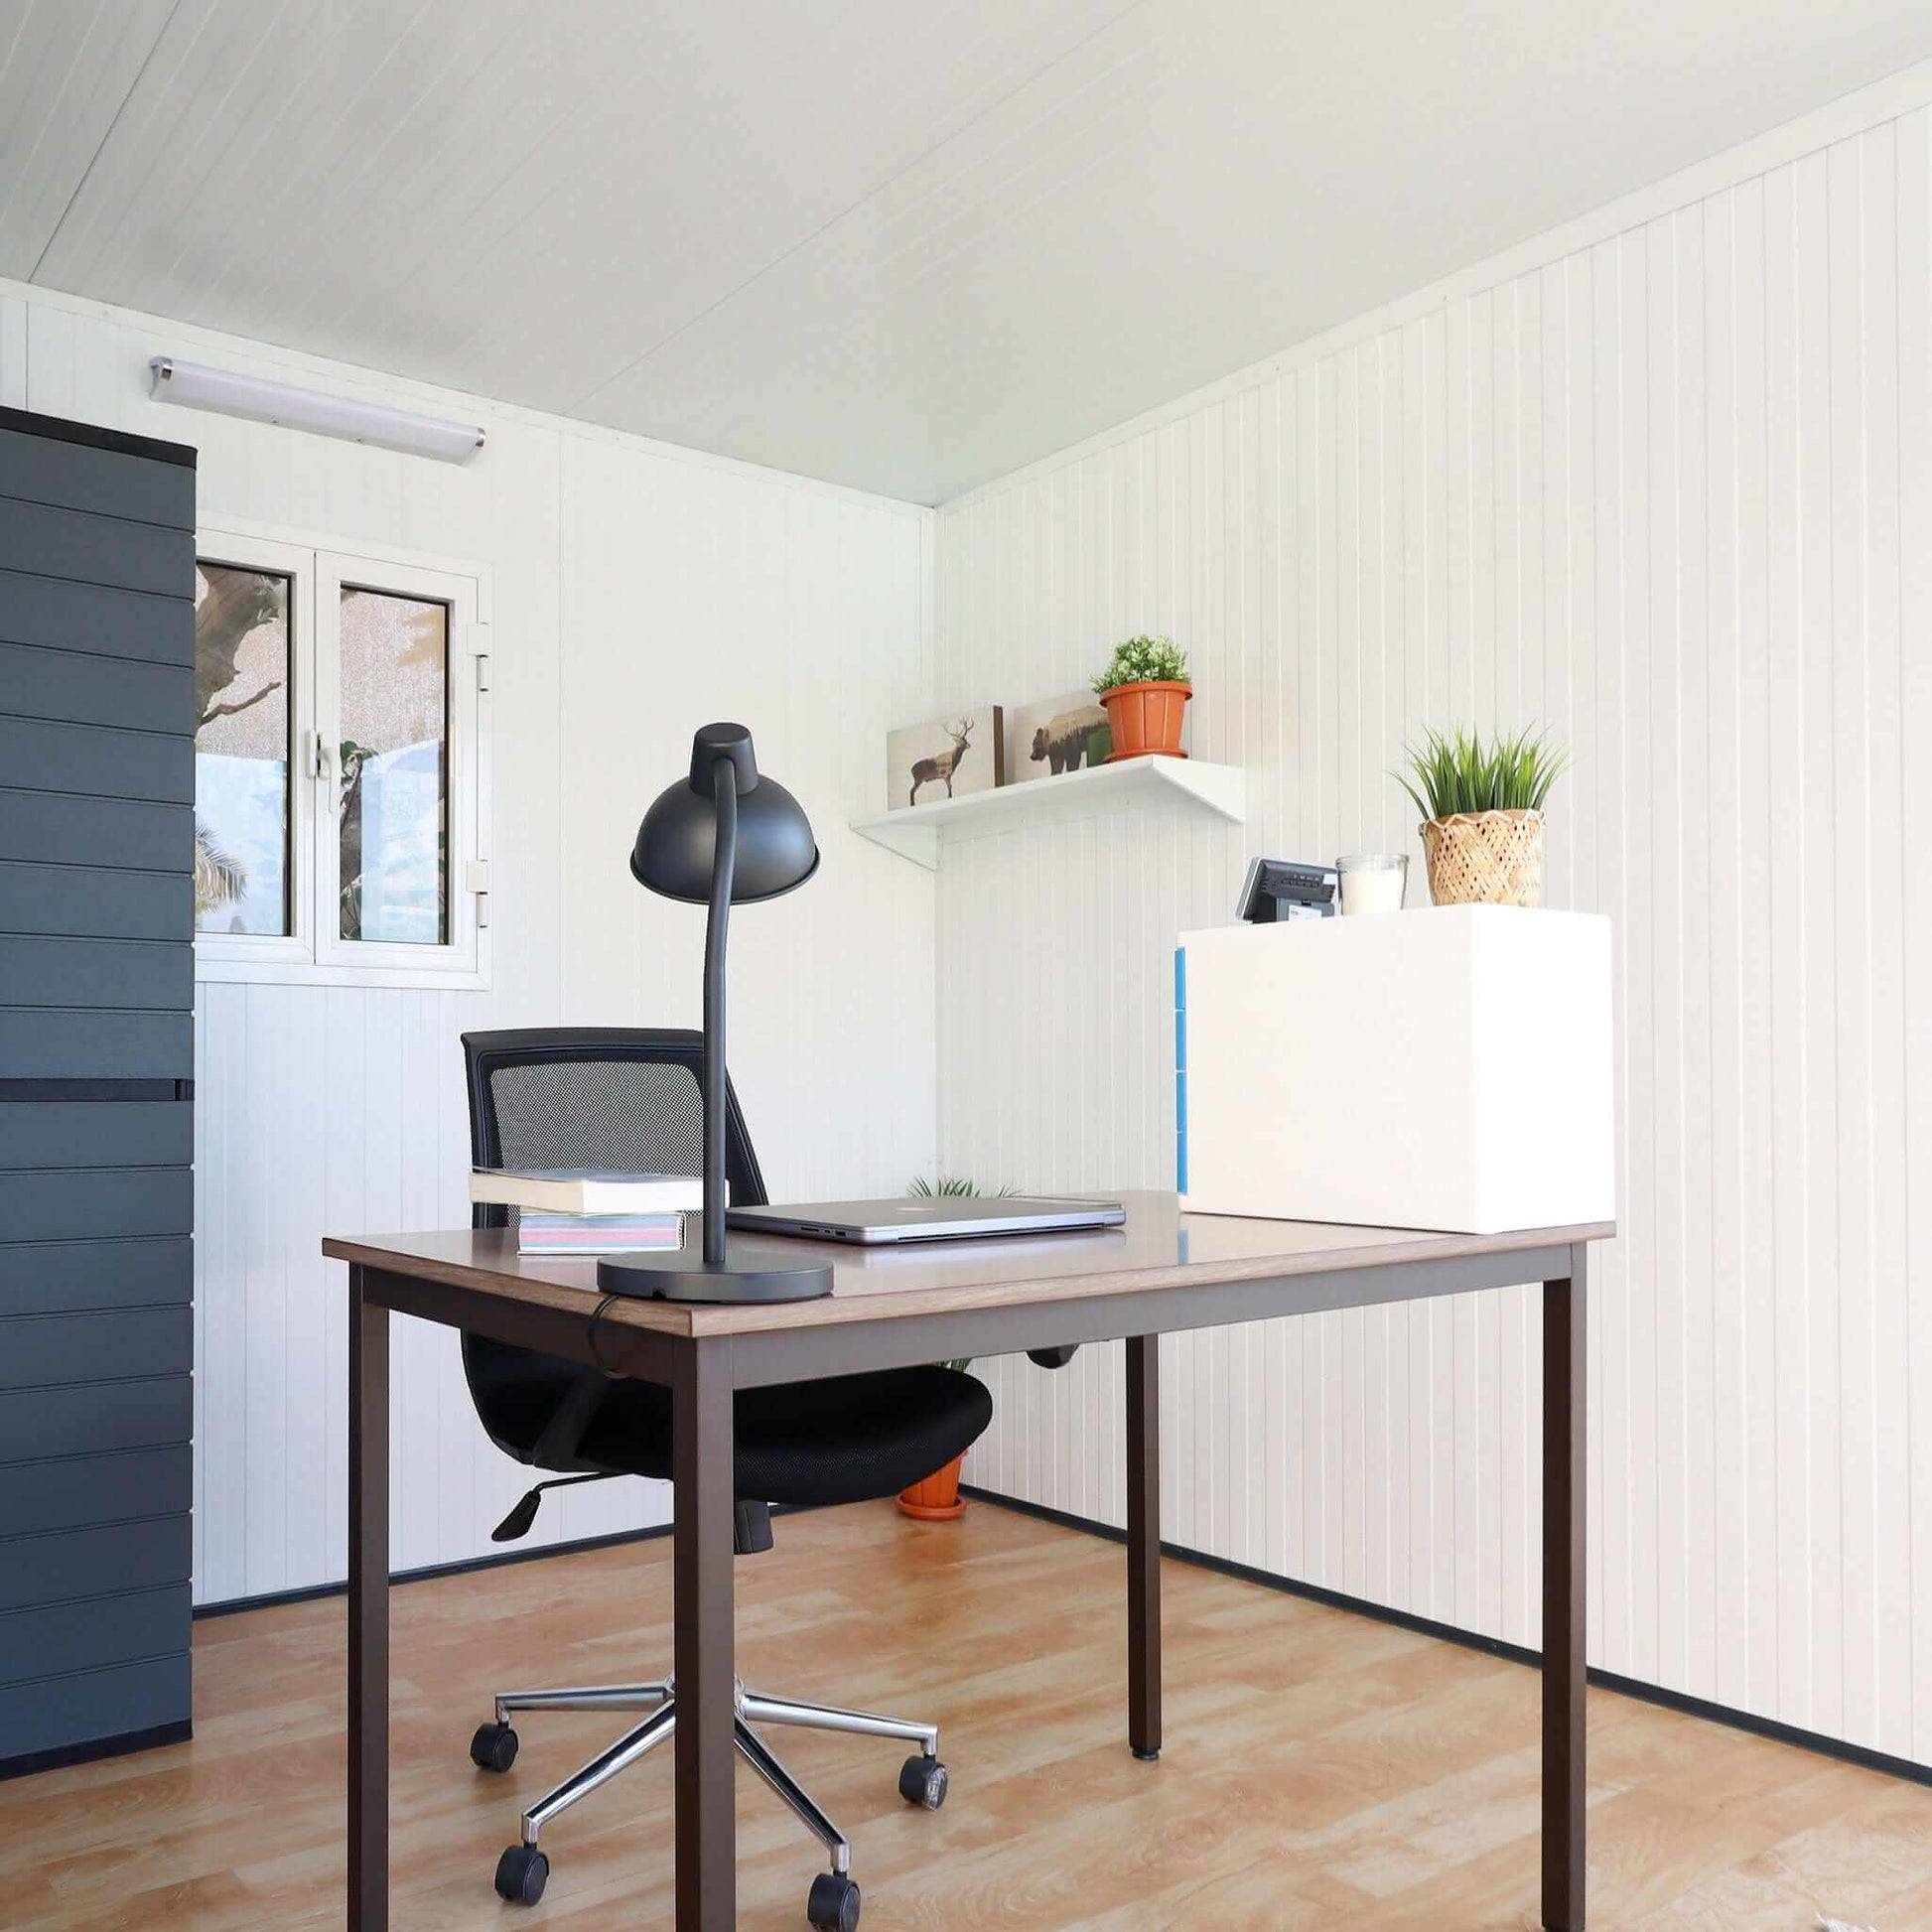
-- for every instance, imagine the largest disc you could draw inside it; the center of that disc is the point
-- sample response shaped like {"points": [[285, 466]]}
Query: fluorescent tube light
{"points": [[278, 402]]}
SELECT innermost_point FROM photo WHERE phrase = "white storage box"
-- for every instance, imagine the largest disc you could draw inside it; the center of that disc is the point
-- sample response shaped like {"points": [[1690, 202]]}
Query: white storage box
{"points": [[1444, 1068]]}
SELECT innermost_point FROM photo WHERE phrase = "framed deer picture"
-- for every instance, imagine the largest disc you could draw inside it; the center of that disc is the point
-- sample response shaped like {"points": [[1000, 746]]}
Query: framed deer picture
{"points": [[946, 758]]}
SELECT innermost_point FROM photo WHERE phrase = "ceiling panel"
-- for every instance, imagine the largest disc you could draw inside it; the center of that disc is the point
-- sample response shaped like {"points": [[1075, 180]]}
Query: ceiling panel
{"points": [[519, 199], [1173, 202], [65, 67], [905, 249]]}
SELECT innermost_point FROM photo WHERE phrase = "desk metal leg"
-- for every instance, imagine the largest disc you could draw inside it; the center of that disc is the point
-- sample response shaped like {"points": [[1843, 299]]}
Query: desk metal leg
{"points": [[1564, 1465], [700, 1471], [1143, 1545], [368, 1609]]}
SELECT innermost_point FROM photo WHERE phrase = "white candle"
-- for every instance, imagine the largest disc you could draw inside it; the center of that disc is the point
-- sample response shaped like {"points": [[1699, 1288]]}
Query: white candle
{"points": [[1373, 884]]}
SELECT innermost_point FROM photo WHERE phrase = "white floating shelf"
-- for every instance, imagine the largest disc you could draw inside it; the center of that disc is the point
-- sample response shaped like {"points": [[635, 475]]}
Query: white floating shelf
{"points": [[916, 832]]}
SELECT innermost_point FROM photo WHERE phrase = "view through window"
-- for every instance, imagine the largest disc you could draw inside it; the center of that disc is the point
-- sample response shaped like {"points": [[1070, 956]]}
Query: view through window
{"points": [[393, 770], [241, 751]]}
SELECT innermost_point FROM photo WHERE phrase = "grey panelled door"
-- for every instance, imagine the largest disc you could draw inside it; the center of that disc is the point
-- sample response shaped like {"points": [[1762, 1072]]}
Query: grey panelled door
{"points": [[97, 1108]]}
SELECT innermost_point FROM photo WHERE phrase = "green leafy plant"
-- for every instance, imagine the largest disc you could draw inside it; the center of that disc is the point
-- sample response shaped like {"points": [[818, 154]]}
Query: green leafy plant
{"points": [[1144, 660], [219, 879], [1464, 773], [951, 1186], [946, 1187], [954, 1186]]}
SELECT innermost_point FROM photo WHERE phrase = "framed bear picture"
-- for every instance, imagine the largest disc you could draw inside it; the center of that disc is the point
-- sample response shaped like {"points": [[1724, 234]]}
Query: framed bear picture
{"points": [[1054, 735], [945, 757]]}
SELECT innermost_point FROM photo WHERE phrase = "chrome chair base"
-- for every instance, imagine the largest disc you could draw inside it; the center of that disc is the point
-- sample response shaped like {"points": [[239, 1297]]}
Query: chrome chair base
{"points": [[923, 1780]]}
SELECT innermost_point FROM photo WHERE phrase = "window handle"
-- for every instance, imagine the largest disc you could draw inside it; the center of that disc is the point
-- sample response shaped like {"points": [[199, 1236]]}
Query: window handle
{"points": [[320, 763]]}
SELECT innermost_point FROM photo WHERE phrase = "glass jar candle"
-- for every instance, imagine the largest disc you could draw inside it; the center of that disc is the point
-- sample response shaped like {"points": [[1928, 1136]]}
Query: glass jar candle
{"points": [[1372, 882]]}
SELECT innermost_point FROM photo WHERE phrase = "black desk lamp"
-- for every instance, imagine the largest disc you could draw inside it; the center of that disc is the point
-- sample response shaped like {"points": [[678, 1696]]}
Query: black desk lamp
{"points": [[721, 835]]}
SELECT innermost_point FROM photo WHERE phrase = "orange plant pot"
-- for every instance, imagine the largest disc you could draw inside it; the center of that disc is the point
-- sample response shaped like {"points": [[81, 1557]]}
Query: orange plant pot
{"points": [[936, 1498], [1146, 718]]}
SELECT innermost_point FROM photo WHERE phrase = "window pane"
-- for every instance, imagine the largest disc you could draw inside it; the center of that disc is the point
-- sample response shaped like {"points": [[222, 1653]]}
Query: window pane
{"points": [[241, 750], [394, 769]]}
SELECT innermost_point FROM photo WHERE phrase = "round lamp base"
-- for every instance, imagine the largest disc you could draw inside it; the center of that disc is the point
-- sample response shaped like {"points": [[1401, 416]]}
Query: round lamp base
{"points": [[750, 1272]]}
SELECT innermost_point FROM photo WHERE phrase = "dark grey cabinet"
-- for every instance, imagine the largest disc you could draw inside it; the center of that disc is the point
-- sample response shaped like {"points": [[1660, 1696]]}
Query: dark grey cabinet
{"points": [[97, 1088]]}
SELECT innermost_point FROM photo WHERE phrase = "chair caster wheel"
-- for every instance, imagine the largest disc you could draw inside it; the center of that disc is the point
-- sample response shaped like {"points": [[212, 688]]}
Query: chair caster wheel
{"points": [[522, 1873], [833, 1903], [922, 1782], [493, 1748]]}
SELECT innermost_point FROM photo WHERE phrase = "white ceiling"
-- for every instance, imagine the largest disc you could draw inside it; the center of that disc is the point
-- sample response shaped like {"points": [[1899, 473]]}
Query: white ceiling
{"points": [[905, 247]]}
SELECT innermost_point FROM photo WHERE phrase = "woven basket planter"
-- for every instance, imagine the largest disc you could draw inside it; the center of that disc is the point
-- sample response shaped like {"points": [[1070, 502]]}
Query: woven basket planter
{"points": [[1485, 859]]}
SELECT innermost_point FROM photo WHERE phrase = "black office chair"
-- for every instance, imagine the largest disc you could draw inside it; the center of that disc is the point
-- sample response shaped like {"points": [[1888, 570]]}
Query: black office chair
{"points": [[629, 1100]]}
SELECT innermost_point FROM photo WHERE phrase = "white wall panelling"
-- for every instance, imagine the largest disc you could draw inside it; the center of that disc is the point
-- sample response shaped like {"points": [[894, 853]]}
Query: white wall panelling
{"points": [[638, 591], [1668, 485]]}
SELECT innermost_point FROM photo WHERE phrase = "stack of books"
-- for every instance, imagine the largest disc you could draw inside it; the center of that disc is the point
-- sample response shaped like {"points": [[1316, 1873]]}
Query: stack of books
{"points": [[583, 1212]]}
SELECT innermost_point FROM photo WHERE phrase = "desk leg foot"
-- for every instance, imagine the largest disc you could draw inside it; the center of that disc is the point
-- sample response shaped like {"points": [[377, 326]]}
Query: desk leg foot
{"points": [[704, 1769], [1144, 1546], [368, 1607], [1565, 1473]]}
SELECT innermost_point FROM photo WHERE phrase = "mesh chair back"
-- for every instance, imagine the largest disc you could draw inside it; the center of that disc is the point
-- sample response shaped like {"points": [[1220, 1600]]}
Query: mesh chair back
{"points": [[627, 1099], [630, 1116], [630, 1099]]}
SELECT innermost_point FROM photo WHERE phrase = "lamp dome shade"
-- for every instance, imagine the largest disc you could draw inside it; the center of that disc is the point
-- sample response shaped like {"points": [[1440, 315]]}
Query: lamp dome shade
{"points": [[678, 838]]}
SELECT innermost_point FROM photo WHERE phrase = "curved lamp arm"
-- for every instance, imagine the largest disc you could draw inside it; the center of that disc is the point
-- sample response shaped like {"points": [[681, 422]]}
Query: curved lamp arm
{"points": [[723, 794]]}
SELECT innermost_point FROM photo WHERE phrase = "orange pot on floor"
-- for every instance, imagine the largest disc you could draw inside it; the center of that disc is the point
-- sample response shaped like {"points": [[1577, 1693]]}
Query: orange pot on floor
{"points": [[935, 1499], [1146, 718]]}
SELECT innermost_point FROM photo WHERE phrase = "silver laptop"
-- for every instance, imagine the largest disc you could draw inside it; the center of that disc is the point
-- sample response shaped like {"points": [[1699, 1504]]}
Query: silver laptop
{"points": [[872, 1223]]}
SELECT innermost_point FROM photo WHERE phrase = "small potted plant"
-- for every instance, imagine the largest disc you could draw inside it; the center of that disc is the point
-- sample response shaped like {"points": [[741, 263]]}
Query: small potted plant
{"points": [[936, 1498], [1146, 691], [1483, 813]]}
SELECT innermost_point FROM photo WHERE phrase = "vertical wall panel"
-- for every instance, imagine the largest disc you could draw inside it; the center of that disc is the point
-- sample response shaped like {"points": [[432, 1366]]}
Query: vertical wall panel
{"points": [[1670, 493], [1913, 259]]}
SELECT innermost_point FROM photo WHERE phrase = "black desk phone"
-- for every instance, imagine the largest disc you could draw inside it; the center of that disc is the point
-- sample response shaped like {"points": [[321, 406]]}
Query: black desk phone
{"points": [[1287, 889]]}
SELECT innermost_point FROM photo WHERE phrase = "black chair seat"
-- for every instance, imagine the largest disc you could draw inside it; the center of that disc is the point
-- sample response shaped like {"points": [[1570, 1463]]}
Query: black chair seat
{"points": [[840, 1440], [628, 1099]]}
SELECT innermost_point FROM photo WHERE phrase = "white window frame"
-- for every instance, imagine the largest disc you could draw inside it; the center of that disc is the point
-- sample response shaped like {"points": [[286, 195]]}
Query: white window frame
{"points": [[312, 953]]}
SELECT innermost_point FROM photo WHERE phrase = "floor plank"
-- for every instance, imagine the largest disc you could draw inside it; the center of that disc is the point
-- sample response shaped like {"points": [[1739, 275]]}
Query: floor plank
{"points": [[1321, 1769]]}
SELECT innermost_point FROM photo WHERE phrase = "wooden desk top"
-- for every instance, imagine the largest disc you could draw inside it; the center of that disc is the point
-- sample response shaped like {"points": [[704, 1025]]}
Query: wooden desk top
{"points": [[1158, 1248]]}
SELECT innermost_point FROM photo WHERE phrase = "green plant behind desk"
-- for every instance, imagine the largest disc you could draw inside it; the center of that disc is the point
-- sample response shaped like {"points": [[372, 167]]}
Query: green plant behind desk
{"points": [[951, 1186], [936, 1498]]}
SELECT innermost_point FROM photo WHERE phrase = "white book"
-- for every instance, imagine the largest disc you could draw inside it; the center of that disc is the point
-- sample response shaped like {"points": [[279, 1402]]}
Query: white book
{"points": [[585, 1190]]}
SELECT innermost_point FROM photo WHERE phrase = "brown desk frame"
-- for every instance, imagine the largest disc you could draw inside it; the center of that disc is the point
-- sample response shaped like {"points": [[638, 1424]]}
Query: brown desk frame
{"points": [[702, 1370]]}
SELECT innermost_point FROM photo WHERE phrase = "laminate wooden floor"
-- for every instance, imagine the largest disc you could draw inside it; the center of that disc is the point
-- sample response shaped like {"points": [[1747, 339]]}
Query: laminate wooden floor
{"points": [[1321, 1771]]}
